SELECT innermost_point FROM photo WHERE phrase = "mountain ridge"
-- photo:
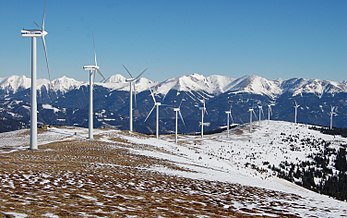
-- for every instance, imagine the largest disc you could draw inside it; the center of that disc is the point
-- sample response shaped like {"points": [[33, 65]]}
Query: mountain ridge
{"points": [[213, 84]]}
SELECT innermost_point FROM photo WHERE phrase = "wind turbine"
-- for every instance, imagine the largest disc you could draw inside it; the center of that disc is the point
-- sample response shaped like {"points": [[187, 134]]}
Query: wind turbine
{"points": [[156, 106], [269, 111], [332, 113], [229, 115], [178, 112], [132, 82], [296, 112], [260, 112], [203, 111], [33, 34], [92, 69], [251, 112]]}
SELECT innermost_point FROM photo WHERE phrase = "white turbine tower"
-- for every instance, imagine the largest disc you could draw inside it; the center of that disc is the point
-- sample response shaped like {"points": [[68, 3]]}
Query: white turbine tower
{"points": [[260, 112], [178, 113], [33, 34], [296, 112], [229, 116], [251, 112], [332, 113], [156, 106], [269, 111], [92, 69], [203, 111], [132, 82]]}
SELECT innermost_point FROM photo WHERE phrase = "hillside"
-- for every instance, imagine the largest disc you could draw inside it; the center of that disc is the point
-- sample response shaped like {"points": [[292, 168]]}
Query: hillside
{"points": [[120, 172]]}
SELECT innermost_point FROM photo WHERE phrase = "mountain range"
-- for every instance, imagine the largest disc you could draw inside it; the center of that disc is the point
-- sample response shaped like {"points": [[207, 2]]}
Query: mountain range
{"points": [[64, 101]]}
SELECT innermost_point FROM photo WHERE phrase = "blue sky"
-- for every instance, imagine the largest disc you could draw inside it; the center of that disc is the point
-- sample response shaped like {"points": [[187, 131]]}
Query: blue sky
{"points": [[270, 38]]}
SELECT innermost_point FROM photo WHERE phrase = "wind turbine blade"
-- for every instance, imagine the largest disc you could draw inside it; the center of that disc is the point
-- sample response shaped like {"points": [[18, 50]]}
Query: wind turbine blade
{"points": [[150, 112], [43, 17], [141, 74], [255, 115], [95, 61], [103, 78], [38, 26], [128, 71], [180, 104], [179, 112], [45, 51], [205, 111], [231, 117], [152, 95]]}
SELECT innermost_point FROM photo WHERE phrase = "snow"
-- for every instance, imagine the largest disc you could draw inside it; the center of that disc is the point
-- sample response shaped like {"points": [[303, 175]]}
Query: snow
{"points": [[256, 85], [50, 107], [19, 139], [14, 83], [214, 84], [216, 158], [16, 215], [230, 159], [117, 82], [64, 84]]}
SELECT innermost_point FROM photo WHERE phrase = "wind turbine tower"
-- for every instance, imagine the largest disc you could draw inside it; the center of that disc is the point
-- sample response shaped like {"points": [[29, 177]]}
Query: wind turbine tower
{"points": [[178, 113], [332, 113], [155, 106], [132, 82], [296, 112], [203, 111], [229, 116], [33, 34], [92, 69], [260, 112], [251, 111]]}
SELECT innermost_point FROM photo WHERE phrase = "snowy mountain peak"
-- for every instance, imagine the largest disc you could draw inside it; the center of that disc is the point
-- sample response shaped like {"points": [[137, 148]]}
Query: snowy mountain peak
{"points": [[298, 86], [214, 84], [13, 83], [64, 84], [117, 82], [256, 85], [117, 78]]}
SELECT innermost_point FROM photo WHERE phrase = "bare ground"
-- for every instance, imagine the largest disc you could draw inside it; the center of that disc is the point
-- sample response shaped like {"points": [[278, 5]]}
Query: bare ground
{"points": [[81, 178]]}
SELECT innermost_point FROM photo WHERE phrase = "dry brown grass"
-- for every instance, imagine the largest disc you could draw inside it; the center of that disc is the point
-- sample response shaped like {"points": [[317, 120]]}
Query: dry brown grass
{"points": [[79, 178]]}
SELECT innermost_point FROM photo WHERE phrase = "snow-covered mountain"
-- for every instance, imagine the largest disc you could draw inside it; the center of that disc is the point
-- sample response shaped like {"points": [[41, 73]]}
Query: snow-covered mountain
{"points": [[214, 84], [255, 85], [16, 83], [69, 97], [118, 82]]}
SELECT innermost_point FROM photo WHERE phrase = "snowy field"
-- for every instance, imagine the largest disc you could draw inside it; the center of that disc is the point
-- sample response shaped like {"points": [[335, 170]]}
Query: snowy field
{"points": [[213, 162]]}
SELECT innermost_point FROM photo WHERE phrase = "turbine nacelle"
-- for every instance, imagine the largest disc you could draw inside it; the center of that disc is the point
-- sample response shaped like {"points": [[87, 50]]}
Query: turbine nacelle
{"points": [[33, 33], [157, 103], [130, 80], [228, 112], [91, 67], [176, 109]]}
